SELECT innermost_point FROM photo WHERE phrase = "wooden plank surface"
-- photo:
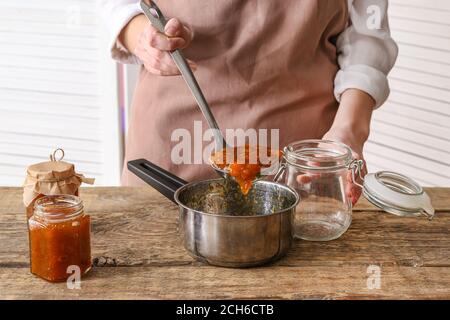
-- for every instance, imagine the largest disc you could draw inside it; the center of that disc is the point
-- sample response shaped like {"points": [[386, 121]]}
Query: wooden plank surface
{"points": [[137, 255]]}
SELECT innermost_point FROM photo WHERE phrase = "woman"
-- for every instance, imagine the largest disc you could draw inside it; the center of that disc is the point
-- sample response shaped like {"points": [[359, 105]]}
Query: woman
{"points": [[310, 68]]}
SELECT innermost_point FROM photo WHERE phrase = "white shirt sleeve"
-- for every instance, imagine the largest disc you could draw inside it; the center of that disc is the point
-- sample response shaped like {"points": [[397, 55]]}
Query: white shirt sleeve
{"points": [[366, 51], [117, 14]]}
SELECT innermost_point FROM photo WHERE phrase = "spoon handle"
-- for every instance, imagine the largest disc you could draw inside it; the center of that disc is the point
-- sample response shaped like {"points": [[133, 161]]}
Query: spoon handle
{"points": [[158, 20]]}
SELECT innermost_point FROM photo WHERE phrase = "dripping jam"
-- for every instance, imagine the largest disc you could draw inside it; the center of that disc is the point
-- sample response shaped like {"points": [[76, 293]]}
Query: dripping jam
{"points": [[246, 163]]}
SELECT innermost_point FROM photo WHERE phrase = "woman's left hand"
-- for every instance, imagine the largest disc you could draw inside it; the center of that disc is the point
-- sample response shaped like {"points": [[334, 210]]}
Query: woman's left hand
{"points": [[351, 126], [346, 136]]}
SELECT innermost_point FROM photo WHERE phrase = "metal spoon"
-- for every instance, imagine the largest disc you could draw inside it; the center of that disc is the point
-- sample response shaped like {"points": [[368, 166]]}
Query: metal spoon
{"points": [[158, 20]]}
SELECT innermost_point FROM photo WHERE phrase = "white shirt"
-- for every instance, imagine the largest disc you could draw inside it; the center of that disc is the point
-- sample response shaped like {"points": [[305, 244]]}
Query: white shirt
{"points": [[366, 51]]}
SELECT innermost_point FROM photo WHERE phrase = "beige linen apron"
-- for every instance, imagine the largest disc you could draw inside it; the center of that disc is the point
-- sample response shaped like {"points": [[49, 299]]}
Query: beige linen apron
{"points": [[261, 64]]}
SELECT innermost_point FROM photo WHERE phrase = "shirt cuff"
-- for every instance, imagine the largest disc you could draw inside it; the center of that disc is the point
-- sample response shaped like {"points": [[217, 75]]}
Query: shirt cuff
{"points": [[120, 19], [364, 78]]}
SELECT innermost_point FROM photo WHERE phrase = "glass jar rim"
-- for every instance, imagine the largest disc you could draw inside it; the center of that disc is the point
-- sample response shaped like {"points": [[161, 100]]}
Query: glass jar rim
{"points": [[72, 204], [300, 151]]}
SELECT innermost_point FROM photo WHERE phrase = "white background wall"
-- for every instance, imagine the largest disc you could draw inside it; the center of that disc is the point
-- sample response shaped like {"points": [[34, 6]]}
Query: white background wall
{"points": [[58, 88], [411, 132]]}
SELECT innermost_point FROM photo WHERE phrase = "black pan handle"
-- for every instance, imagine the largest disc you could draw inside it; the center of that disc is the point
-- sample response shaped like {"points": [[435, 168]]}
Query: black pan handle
{"points": [[163, 181]]}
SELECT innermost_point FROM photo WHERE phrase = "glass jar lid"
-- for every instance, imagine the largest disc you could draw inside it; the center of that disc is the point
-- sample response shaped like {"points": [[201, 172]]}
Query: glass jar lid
{"points": [[397, 194]]}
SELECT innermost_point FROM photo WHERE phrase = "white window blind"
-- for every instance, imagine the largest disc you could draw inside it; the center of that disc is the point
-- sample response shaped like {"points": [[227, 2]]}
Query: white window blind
{"points": [[58, 88], [411, 132]]}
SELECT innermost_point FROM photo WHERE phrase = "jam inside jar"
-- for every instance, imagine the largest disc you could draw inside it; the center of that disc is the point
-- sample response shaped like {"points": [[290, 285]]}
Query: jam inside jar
{"points": [[59, 234]]}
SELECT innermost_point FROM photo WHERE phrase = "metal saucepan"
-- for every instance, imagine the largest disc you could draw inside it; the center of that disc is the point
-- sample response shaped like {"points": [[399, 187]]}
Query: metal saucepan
{"points": [[220, 226]]}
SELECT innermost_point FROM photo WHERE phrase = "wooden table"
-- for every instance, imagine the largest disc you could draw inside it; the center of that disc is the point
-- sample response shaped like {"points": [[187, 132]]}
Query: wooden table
{"points": [[137, 255]]}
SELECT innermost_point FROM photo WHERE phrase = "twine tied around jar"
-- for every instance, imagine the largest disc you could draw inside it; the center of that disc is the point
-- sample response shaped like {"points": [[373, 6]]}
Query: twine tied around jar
{"points": [[53, 155], [52, 177]]}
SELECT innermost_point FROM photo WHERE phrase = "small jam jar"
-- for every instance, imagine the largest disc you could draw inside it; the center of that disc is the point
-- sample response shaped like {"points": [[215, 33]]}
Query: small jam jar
{"points": [[59, 234]]}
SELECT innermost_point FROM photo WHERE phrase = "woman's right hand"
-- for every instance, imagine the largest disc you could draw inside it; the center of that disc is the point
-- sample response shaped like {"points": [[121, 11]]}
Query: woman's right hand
{"points": [[153, 47]]}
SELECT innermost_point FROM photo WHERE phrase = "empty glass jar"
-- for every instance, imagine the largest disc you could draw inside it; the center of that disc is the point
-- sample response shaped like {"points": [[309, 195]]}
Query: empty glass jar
{"points": [[318, 170]]}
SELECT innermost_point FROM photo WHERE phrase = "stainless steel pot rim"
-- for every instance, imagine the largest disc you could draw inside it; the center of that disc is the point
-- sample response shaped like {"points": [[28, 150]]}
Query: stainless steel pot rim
{"points": [[287, 209]]}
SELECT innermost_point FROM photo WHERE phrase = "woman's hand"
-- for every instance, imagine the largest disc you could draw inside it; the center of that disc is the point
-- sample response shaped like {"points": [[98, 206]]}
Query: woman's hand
{"points": [[351, 126], [153, 47], [346, 136]]}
